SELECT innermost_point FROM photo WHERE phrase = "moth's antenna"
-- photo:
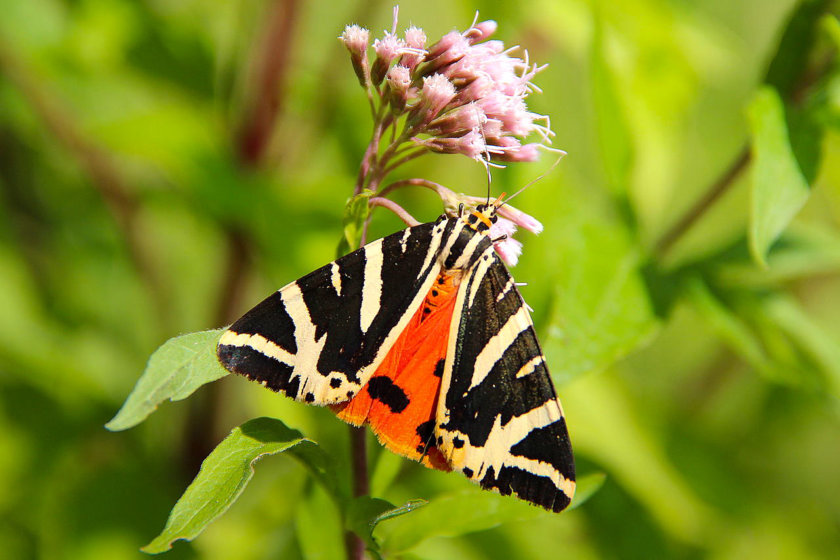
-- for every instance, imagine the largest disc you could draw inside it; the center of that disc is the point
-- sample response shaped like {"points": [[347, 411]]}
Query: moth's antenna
{"points": [[543, 174], [486, 159]]}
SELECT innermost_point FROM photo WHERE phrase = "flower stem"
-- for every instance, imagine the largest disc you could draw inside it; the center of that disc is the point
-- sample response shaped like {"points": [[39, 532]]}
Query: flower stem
{"points": [[358, 453], [718, 189], [395, 208]]}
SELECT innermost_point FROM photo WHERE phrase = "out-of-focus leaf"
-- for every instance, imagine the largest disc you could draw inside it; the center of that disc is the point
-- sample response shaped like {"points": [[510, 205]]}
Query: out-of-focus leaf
{"points": [[320, 534], [799, 253], [364, 513], [778, 187], [734, 332], [791, 56], [385, 471], [615, 144], [223, 476], [608, 429], [586, 487], [355, 214], [174, 372], [811, 337], [452, 515], [601, 308]]}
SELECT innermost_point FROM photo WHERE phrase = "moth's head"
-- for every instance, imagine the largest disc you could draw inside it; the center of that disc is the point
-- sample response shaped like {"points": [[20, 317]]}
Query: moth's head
{"points": [[484, 215]]}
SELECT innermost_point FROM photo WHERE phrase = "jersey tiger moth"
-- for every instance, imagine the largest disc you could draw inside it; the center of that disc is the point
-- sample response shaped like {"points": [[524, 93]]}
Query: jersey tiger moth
{"points": [[424, 336]]}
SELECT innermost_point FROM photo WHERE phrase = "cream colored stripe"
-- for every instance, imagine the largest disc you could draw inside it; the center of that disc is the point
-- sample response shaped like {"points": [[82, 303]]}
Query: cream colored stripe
{"points": [[260, 344], [530, 366], [498, 344], [404, 239], [496, 451], [335, 276], [505, 290], [478, 276], [371, 285], [469, 250]]}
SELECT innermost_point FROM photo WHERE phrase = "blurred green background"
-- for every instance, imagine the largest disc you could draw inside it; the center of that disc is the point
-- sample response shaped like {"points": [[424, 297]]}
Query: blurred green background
{"points": [[165, 164]]}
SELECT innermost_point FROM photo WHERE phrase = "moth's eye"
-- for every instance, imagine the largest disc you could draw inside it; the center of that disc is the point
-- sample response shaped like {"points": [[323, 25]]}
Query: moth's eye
{"points": [[494, 218]]}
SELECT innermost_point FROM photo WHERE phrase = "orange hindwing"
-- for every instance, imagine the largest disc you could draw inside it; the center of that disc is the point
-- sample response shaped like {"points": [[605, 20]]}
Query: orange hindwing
{"points": [[400, 399]]}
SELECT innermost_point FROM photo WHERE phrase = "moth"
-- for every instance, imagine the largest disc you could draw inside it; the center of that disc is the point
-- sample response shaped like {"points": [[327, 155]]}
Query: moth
{"points": [[424, 336]]}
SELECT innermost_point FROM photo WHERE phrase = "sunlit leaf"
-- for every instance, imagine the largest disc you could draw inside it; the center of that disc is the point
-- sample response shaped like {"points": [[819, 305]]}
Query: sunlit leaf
{"points": [[174, 372], [779, 189], [224, 475]]}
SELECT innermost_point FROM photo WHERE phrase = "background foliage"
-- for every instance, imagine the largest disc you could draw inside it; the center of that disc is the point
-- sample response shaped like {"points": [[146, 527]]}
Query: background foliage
{"points": [[165, 165]]}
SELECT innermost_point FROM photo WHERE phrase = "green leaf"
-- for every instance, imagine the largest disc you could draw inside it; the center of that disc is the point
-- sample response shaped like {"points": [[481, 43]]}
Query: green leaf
{"points": [[731, 329], [614, 140], [819, 345], [174, 372], [778, 187], [365, 513], [586, 487], [223, 476], [601, 308], [453, 515], [609, 429], [385, 471], [356, 212], [790, 59], [320, 534], [801, 252]]}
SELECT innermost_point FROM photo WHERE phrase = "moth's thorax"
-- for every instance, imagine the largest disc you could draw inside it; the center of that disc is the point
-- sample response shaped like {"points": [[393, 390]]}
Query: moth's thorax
{"points": [[466, 239]]}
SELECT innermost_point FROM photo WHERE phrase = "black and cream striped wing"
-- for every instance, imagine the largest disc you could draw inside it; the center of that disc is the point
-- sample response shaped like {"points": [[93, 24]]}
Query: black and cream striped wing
{"points": [[498, 420], [321, 337]]}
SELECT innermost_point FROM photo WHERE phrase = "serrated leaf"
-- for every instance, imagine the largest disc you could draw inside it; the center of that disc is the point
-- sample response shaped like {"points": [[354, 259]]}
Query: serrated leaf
{"points": [[779, 189], [223, 476], [453, 515], [174, 372], [365, 513], [586, 487]]}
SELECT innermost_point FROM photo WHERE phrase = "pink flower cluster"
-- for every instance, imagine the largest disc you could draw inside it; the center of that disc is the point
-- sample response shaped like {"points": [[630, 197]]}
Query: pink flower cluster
{"points": [[463, 95]]}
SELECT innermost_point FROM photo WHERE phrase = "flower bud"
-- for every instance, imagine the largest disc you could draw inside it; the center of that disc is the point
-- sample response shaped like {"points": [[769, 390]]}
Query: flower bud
{"points": [[356, 39]]}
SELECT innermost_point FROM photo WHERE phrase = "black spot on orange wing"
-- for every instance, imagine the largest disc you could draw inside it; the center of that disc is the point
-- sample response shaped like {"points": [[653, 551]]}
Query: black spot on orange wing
{"points": [[384, 390]]}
